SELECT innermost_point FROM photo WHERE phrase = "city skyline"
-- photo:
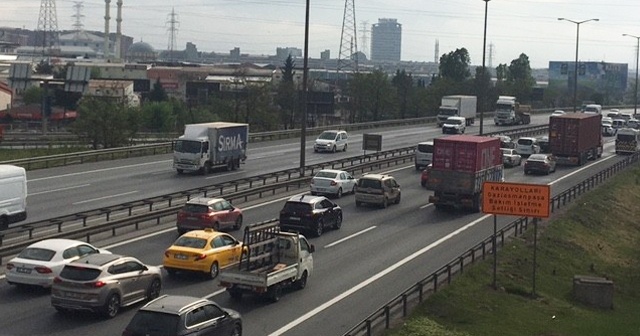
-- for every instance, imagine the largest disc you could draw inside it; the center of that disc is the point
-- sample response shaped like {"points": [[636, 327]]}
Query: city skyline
{"points": [[260, 26]]}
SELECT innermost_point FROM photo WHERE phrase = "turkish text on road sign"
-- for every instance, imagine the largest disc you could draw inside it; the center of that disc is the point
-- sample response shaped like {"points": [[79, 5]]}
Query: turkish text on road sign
{"points": [[503, 198]]}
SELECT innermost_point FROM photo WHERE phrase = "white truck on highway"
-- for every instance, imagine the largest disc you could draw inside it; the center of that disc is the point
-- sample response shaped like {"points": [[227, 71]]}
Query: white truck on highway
{"points": [[206, 146], [457, 106], [13, 195], [272, 261], [510, 112]]}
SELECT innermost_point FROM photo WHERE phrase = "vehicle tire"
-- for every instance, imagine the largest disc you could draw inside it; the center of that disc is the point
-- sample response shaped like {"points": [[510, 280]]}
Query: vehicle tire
{"points": [[230, 165], [315, 150], [302, 282], [180, 171], [439, 207], [4, 222], [216, 226], [319, 228], [334, 149], [214, 270], [237, 330], [275, 292], [358, 204], [338, 224], [397, 200], [417, 167], [235, 294], [181, 231], [353, 189], [477, 203], [385, 203], [154, 289], [339, 193], [423, 183], [112, 306], [344, 149], [62, 311], [207, 168], [238, 223]]}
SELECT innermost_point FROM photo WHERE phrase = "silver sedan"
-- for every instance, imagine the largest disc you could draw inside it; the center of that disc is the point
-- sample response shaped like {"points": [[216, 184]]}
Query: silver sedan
{"points": [[332, 182]]}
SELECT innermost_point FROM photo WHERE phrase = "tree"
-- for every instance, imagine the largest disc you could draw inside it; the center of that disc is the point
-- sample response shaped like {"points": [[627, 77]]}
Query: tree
{"points": [[33, 95], [157, 93], [455, 65], [44, 68], [519, 79], [105, 122], [371, 95], [286, 95], [403, 84], [158, 116]]}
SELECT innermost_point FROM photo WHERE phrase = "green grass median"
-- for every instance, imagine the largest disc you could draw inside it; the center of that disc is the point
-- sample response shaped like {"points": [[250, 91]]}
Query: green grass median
{"points": [[599, 235]]}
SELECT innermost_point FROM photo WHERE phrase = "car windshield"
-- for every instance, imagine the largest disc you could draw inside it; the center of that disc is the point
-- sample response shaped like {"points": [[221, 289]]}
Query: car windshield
{"points": [[79, 273], [525, 142], [192, 242], [447, 112], [454, 121], [187, 146], [626, 137], [39, 254], [327, 136], [153, 324], [327, 174]]}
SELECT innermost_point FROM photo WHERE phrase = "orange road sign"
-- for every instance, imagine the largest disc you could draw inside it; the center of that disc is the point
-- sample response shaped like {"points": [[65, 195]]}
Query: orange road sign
{"points": [[516, 199]]}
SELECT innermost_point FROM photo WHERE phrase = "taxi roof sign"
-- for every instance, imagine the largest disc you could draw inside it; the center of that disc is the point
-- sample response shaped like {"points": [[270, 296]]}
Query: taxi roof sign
{"points": [[516, 199]]}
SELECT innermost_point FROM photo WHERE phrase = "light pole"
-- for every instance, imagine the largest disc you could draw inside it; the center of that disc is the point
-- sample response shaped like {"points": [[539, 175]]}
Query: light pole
{"points": [[484, 69], [635, 104], [575, 73], [305, 72]]}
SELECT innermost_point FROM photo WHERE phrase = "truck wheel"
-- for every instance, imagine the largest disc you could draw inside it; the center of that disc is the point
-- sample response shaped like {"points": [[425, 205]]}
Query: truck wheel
{"points": [[4, 222], [180, 171], [358, 204], [235, 294], [230, 165], [213, 270], [275, 292], [302, 282], [207, 168]]}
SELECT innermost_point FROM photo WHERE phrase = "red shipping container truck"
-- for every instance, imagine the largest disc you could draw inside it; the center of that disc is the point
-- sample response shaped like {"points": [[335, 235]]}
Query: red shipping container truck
{"points": [[575, 138], [461, 163]]}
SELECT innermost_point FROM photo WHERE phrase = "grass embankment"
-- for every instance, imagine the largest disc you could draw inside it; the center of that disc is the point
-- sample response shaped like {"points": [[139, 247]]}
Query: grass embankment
{"points": [[599, 235]]}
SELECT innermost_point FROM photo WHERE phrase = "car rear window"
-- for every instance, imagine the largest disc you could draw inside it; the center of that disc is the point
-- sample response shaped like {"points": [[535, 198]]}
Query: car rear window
{"points": [[192, 242], [79, 273], [296, 207], [39, 254], [153, 324], [424, 148], [369, 183], [195, 208], [525, 142], [326, 174]]}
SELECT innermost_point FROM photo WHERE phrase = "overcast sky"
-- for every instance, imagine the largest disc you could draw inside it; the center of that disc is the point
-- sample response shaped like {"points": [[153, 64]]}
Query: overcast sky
{"points": [[259, 26]]}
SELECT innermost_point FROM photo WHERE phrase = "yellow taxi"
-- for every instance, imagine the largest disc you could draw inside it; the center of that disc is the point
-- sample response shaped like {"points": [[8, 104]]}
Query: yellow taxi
{"points": [[202, 251]]}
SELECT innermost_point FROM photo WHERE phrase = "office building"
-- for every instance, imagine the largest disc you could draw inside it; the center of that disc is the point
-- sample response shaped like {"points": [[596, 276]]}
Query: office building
{"points": [[386, 40]]}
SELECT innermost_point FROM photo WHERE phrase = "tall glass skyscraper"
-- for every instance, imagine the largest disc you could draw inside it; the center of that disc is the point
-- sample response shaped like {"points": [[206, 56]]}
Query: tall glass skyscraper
{"points": [[386, 40]]}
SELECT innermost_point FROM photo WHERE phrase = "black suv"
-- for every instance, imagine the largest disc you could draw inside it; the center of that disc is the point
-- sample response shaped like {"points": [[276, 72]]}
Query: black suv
{"points": [[310, 213], [173, 315]]}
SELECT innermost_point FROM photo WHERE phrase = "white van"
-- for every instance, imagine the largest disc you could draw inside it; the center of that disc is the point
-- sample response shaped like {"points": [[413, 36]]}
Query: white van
{"points": [[593, 108], [424, 154], [13, 195]]}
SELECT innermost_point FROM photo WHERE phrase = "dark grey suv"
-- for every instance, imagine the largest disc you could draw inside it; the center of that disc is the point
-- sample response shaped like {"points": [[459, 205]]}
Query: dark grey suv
{"points": [[313, 214], [173, 315]]}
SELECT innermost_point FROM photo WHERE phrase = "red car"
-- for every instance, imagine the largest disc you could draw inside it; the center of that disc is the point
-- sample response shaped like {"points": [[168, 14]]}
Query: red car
{"points": [[203, 212], [425, 175]]}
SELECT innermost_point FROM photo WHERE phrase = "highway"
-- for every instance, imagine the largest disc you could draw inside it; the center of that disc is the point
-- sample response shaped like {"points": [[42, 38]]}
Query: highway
{"points": [[374, 256]]}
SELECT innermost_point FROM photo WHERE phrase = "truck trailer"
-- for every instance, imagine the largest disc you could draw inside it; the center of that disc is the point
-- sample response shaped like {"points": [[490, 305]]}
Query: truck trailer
{"points": [[510, 112], [461, 163], [206, 146], [575, 138], [457, 106]]}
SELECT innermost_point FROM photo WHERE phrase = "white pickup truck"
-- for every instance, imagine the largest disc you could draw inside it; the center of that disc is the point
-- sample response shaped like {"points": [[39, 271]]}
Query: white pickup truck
{"points": [[272, 261]]}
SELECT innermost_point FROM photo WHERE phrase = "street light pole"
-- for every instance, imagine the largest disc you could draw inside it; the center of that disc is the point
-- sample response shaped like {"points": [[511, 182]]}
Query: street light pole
{"points": [[484, 69], [305, 72], [575, 73], [635, 104]]}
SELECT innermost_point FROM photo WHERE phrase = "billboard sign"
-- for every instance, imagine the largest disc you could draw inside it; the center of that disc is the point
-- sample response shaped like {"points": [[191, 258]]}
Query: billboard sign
{"points": [[516, 199]]}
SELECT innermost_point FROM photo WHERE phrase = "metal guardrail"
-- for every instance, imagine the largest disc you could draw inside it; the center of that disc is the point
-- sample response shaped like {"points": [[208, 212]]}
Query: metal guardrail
{"points": [[400, 306]]}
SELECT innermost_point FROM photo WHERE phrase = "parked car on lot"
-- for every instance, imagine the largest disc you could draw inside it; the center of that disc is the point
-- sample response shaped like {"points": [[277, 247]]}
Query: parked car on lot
{"points": [[424, 176], [510, 158], [378, 189], [331, 141], [39, 263], [313, 214], [206, 212], [205, 251], [103, 283], [455, 125], [527, 146], [540, 163], [332, 182], [175, 315]]}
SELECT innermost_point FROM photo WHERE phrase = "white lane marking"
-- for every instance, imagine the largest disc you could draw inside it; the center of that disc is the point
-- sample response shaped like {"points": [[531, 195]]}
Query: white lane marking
{"points": [[367, 282], [60, 189], [425, 206], [349, 237], [105, 197], [99, 170], [220, 291], [579, 170]]}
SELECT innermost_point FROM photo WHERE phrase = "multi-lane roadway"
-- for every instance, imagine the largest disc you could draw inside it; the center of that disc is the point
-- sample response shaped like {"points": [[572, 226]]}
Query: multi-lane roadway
{"points": [[374, 256]]}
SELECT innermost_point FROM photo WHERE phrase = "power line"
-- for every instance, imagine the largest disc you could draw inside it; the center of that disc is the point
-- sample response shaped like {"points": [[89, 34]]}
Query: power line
{"points": [[173, 30]]}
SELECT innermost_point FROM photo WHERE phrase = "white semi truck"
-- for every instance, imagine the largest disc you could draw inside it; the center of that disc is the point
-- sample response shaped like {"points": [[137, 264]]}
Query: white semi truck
{"points": [[457, 106], [510, 112], [206, 146]]}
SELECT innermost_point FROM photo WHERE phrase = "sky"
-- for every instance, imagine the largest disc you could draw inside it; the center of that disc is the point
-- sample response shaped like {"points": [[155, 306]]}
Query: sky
{"points": [[258, 27]]}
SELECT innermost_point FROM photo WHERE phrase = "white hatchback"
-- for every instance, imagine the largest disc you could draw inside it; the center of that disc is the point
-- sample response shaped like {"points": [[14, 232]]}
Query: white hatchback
{"points": [[527, 146], [333, 182]]}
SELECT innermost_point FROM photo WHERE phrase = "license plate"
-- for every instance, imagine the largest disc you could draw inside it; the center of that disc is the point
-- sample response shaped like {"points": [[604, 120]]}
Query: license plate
{"points": [[181, 256], [321, 189], [23, 270], [294, 218], [72, 295]]}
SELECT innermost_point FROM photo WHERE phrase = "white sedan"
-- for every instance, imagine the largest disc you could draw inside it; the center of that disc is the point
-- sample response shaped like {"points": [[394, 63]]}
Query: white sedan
{"points": [[333, 182], [41, 262], [510, 158]]}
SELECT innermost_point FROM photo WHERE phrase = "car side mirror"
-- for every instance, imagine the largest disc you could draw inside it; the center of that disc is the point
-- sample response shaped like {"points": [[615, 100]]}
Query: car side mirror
{"points": [[312, 248], [144, 268]]}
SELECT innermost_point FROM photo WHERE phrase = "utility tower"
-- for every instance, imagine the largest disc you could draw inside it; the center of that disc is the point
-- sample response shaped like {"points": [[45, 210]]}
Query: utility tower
{"points": [[78, 26], [491, 52], [173, 24], [348, 56], [48, 24], [436, 54], [364, 37]]}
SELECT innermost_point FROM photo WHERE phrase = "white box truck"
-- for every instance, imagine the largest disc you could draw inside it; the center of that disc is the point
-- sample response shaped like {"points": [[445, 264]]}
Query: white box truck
{"points": [[457, 106], [206, 146], [13, 195]]}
